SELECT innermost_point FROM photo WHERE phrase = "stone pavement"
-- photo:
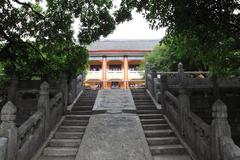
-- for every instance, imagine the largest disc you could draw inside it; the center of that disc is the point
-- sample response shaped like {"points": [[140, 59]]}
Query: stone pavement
{"points": [[113, 133]]}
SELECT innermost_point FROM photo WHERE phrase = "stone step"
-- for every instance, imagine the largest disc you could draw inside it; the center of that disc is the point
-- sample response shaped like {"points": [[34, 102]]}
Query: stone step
{"points": [[153, 121], [155, 126], [144, 103], [146, 108], [85, 103], [143, 100], [167, 149], [60, 151], [68, 135], [57, 158], [159, 133], [75, 122], [82, 112], [77, 117], [72, 128], [172, 157], [148, 111], [82, 108], [150, 116], [152, 141], [64, 143]]}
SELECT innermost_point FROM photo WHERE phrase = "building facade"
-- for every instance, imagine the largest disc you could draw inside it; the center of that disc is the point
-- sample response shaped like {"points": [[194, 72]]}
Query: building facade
{"points": [[116, 63]]}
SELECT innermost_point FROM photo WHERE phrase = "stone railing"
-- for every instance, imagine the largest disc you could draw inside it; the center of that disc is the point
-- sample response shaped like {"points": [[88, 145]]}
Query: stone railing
{"points": [[208, 141], [23, 142], [229, 151]]}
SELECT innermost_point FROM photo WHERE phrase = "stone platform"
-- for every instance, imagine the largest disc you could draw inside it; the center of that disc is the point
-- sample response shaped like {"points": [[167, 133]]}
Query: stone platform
{"points": [[114, 134]]}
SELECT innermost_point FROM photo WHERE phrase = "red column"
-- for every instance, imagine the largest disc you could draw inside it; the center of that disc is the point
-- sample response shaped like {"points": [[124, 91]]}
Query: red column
{"points": [[126, 72], [104, 71]]}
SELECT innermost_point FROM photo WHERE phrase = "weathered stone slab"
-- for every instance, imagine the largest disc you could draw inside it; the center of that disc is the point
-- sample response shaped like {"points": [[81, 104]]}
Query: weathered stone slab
{"points": [[114, 137], [114, 101]]}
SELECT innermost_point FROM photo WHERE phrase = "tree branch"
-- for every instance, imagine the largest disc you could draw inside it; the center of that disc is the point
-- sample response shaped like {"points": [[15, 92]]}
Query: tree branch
{"points": [[29, 6]]}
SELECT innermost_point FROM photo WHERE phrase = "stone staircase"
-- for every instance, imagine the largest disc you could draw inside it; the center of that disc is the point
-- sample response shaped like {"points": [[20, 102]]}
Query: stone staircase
{"points": [[65, 142], [162, 141]]}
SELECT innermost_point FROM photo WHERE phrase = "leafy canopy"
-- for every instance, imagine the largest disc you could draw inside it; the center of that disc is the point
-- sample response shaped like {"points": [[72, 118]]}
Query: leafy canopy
{"points": [[210, 29], [40, 40]]}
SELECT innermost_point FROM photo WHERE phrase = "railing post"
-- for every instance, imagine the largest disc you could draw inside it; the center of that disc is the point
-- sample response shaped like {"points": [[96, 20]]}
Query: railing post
{"points": [[219, 128], [72, 92], [3, 148], [12, 90], [79, 83], [9, 130], [153, 76], [64, 90], [184, 109], [163, 88], [183, 98], [44, 107], [146, 75]]}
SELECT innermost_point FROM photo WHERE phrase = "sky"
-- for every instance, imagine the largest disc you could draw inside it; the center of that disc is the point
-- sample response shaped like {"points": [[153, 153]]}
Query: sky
{"points": [[138, 28]]}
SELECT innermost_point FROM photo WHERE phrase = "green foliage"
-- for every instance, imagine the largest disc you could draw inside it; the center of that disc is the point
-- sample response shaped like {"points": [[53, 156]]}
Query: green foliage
{"points": [[4, 79], [167, 55], [40, 41], [222, 61], [205, 33]]}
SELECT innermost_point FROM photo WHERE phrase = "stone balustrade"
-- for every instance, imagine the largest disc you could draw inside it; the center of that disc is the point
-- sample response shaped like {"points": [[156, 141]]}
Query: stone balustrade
{"points": [[172, 90], [35, 130]]}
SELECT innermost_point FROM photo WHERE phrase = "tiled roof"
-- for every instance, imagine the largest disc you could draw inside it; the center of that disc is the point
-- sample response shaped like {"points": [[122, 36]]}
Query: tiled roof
{"points": [[103, 45]]}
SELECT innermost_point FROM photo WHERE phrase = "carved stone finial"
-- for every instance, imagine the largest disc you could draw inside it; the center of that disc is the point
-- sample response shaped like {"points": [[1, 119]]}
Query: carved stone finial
{"points": [[219, 110], [44, 88], [180, 66], [8, 113]]}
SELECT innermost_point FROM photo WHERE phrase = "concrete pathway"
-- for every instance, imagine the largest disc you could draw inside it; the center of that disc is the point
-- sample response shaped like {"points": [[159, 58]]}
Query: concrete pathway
{"points": [[114, 132]]}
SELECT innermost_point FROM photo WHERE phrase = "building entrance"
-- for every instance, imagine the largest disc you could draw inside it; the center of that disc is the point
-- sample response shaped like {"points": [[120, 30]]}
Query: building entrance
{"points": [[115, 85]]}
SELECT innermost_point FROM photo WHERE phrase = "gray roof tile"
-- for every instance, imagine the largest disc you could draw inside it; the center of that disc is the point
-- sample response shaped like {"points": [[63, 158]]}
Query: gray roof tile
{"points": [[123, 45]]}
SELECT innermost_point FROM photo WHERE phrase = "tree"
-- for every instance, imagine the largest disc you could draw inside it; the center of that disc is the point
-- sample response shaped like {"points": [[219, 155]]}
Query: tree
{"points": [[212, 25], [34, 38], [166, 55]]}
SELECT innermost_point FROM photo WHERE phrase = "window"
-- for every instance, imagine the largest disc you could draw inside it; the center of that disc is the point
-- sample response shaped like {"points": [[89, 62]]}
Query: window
{"points": [[115, 67], [95, 67], [133, 67]]}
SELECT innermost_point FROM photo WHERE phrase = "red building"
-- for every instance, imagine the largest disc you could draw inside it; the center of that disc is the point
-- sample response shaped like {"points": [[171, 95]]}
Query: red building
{"points": [[115, 63]]}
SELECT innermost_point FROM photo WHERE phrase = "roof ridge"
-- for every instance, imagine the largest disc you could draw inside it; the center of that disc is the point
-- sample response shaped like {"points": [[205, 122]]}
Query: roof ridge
{"points": [[112, 40]]}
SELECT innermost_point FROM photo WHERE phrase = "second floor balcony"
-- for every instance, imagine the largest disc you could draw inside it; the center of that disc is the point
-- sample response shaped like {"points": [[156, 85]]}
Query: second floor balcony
{"points": [[135, 74], [94, 75], [115, 74]]}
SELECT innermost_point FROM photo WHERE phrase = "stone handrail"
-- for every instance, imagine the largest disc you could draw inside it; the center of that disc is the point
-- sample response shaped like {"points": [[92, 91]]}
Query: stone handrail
{"points": [[208, 142], [56, 100], [34, 131], [56, 109], [197, 134], [69, 107], [28, 125], [171, 97], [194, 131], [229, 150], [30, 135]]}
